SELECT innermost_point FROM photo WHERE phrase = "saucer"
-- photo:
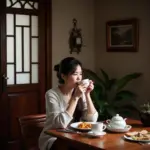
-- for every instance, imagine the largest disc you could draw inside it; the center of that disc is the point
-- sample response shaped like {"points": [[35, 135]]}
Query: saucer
{"points": [[126, 129], [98, 134]]}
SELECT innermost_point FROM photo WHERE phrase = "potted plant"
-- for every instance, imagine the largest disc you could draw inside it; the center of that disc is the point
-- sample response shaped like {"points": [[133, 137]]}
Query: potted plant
{"points": [[109, 95], [145, 114]]}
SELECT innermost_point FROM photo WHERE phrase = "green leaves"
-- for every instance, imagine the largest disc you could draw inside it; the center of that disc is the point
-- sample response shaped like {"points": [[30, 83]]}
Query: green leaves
{"points": [[121, 83], [106, 78], [108, 95], [124, 94]]}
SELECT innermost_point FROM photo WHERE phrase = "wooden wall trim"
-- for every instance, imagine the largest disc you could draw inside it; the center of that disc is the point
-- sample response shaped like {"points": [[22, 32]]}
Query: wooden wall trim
{"points": [[49, 45]]}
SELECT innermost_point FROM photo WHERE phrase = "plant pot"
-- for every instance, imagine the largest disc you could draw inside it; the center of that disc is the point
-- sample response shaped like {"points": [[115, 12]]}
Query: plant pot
{"points": [[145, 119]]}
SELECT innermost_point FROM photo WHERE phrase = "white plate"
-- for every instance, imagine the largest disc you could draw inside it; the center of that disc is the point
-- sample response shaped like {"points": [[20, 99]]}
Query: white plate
{"points": [[99, 134], [129, 138], [126, 129], [75, 126]]}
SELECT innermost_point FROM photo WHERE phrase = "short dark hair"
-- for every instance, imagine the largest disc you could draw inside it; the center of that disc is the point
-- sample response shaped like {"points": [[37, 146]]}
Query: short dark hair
{"points": [[66, 66]]}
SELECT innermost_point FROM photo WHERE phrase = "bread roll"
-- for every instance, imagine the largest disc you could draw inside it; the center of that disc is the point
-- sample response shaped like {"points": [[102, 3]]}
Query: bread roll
{"points": [[129, 134], [144, 132]]}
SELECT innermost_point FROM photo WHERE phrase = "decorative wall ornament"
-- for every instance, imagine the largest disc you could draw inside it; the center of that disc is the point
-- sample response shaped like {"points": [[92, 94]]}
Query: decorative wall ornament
{"points": [[75, 39]]}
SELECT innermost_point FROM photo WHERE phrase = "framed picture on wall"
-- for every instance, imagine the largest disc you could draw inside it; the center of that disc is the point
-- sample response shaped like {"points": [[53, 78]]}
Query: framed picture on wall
{"points": [[122, 35]]}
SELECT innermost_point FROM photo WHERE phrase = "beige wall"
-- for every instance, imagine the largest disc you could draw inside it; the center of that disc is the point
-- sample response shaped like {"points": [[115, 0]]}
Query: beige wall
{"points": [[118, 64], [92, 16], [63, 11]]}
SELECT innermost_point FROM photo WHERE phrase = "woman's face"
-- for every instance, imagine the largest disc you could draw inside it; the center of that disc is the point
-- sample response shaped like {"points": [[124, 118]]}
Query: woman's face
{"points": [[72, 79]]}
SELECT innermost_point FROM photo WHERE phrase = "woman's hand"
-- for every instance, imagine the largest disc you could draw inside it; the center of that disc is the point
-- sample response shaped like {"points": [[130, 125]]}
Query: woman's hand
{"points": [[79, 90], [90, 87]]}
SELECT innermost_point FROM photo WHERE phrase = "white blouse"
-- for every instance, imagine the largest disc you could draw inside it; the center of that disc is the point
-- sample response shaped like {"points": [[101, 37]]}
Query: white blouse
{"points": [[57, 116]]}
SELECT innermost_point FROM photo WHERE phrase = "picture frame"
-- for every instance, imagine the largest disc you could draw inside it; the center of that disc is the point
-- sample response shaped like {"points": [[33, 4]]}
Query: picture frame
{"points": [[122, 35]]}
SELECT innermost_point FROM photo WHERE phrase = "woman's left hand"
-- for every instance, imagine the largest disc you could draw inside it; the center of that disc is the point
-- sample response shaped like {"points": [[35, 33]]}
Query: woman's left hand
{"points": [[90, 87]]}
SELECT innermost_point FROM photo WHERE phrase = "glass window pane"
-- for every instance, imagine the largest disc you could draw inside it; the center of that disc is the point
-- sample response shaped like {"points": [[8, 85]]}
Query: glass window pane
{"points": [[8, 3], [34, 73], [10, 24], [34, 25], [22, 20], [22, 78], [36, 5], [27, 6], [17, 5], [10, 49], [34, 49], [31, 2], [13, 1], [10, 74], [18, 49], [23, 2], [26, 50]]}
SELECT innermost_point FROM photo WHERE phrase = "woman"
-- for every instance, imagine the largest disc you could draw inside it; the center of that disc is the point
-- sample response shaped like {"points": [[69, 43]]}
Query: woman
{"points": [[61, 102]]}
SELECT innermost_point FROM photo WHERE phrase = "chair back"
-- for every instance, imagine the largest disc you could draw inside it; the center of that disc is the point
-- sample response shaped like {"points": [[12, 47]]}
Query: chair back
{"points": [[31, 127]]}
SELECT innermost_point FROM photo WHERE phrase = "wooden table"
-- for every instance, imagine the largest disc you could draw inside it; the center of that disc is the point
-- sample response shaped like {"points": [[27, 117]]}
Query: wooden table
{"points": [[111, 141]]}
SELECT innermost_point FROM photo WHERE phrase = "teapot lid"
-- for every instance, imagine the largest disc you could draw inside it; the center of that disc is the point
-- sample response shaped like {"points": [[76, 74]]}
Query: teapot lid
{"points": [[117, 118]]}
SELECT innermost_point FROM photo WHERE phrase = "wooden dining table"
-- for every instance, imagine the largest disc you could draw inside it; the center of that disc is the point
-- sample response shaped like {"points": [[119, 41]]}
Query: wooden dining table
{"points": [[110, 141]]}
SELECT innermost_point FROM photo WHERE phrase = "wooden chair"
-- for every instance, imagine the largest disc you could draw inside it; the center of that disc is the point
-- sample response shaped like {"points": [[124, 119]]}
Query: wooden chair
{"points": [[31, 127]]}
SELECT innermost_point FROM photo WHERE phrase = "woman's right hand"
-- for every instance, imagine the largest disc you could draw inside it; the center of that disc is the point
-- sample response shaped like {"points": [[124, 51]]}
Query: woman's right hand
{"points": [[79, 90]]}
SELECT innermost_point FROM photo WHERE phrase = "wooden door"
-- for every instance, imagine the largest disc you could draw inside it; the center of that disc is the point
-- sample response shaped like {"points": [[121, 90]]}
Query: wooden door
{"points": [[25, 58]]}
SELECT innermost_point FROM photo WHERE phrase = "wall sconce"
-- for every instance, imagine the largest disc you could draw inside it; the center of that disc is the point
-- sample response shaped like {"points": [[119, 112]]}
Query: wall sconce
{"points": [[75, 39]]}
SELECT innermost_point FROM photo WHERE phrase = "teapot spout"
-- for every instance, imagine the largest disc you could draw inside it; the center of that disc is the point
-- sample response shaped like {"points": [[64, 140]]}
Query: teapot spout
{"points": [[125, 119], [108, 121]]}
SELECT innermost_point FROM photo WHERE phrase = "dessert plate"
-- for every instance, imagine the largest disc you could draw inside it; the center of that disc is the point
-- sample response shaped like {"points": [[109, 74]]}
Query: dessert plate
{"points": [[131, 139]]}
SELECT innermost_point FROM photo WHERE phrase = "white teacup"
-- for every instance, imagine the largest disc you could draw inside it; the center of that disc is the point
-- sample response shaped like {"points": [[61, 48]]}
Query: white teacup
{"points": [[86, 82], [98, 127]]}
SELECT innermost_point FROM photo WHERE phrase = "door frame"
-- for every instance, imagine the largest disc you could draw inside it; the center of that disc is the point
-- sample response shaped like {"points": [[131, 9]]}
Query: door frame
{"points": [[47, 9], [49, 45]]}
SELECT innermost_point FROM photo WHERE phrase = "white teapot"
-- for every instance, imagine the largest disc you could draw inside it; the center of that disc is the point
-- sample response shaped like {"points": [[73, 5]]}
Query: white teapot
{"points": [[117, 122]]}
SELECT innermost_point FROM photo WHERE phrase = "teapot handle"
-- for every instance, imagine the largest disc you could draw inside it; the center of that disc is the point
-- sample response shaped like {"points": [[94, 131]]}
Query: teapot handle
{"points": [[108, 121]]}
